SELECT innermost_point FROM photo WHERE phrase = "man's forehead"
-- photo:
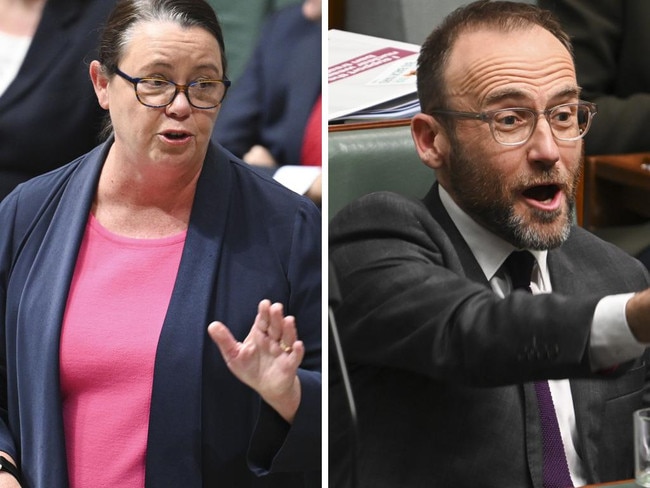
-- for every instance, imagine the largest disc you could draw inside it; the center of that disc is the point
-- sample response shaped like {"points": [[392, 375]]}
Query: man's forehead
{"points": [[481, 44], [483, 61]]}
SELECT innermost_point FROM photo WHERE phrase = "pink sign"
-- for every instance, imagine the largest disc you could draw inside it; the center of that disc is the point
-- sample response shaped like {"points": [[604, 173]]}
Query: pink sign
{"points": [[365, 62]]}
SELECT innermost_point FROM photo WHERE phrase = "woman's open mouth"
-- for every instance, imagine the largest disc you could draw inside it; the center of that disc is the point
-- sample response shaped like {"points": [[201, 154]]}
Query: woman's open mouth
{"points": [[176, 136]]}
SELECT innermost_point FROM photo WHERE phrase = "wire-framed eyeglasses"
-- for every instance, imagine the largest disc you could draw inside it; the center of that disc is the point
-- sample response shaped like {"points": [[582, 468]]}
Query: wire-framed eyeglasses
{"points": [[514, 126], [160, 92]]}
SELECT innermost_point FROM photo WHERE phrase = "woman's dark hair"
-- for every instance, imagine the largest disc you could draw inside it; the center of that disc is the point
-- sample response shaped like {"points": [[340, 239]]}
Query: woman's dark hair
{"points": [[499, 15], [127, 13]]}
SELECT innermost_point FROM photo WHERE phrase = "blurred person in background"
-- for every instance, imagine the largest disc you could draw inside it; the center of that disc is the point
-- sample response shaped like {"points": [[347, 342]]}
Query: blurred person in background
{"points": [[612, 42], [272, 117], [48, 111], [610, 39], [241, 23]]}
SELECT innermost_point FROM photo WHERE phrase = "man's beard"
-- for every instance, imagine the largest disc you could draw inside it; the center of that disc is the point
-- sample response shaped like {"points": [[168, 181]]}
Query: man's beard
{"points": [[488, 201]]}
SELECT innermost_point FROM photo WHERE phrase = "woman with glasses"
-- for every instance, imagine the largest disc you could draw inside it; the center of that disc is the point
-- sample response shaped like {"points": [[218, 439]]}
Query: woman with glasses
{"points": [[159, 300]]}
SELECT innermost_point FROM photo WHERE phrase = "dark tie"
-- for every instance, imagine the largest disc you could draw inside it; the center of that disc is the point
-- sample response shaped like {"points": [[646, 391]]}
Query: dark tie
{"points": [[519, 266]]}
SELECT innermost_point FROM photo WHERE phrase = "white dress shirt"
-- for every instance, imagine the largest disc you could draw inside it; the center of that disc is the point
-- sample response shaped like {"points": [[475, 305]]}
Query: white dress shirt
{"points": [[13, 50]]}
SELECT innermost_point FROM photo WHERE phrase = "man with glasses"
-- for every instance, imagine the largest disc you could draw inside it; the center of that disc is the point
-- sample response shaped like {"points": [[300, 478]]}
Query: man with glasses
{"points": [[490, 342]]}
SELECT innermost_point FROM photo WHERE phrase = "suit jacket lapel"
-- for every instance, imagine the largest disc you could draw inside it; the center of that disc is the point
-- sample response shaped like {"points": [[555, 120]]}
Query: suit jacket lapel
{"points": [[473, 270], [470, 265]]}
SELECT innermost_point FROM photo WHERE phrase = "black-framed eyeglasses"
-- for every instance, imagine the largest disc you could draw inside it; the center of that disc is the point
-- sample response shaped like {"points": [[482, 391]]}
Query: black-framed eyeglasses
{"points": [[159, 92], [514, 126]]}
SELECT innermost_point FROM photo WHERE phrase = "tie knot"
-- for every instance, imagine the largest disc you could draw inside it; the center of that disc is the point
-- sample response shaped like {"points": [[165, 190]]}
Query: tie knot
{"points": [[519, 266]]}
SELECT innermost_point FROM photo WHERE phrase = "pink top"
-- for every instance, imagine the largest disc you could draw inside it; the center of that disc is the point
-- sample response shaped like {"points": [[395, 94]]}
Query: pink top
{"points": [[117, 303]]}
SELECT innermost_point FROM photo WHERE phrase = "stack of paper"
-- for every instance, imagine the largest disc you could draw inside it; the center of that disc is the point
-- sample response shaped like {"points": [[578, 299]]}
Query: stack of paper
{"points": [[370, 77]]}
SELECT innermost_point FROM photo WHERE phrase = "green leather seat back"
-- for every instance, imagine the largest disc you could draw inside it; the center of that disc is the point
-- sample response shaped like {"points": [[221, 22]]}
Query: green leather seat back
{"points": [[367, 160]]}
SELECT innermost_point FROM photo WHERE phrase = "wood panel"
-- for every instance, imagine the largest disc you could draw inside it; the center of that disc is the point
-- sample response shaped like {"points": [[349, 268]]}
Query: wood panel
{"points": [[616, 190]]}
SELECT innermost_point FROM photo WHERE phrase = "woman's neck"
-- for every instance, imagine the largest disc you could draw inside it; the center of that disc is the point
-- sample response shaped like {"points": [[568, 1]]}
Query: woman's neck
{"points": [[20, 17], [144, 203]]}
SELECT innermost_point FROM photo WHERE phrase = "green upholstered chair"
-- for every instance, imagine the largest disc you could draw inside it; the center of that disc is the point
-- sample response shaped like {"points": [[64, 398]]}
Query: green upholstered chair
{"points": [[362, 161]]}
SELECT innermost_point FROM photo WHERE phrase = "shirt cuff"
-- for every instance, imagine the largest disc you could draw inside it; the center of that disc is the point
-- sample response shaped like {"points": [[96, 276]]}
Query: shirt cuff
{"points": [[612, 342]]}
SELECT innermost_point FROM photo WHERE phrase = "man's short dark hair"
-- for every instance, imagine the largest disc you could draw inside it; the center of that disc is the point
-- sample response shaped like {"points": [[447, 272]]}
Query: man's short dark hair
{"points": [[500, 15]]}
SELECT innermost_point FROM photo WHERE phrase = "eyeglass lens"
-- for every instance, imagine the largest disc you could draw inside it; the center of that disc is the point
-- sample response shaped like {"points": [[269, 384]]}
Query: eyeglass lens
{"points": [[568, 122], [201, 94]]}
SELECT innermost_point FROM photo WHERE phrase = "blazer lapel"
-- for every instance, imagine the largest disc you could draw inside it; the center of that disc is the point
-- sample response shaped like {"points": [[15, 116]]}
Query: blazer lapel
{"points": [[45, 296], [174, 446]]}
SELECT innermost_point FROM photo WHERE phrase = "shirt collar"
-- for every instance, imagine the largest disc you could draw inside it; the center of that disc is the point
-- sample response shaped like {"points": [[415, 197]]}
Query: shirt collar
{"points": [[489, 249]]}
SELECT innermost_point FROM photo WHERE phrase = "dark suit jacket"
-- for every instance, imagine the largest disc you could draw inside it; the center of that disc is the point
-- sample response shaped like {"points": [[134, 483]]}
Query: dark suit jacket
{"points": [[248, 238], [612, 43], [440, 366], [49, 115], [271, 102]]}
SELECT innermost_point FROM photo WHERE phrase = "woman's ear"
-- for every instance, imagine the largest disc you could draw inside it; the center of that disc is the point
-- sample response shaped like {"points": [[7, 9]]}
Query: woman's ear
{"points": [[100, 83], [430, 139]]}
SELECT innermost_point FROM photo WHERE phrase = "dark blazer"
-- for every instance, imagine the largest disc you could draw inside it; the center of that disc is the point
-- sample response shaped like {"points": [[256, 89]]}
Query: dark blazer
{"points": [[441, 367], [248, 238], [611, 40], [49, 115], [271, 102]]}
